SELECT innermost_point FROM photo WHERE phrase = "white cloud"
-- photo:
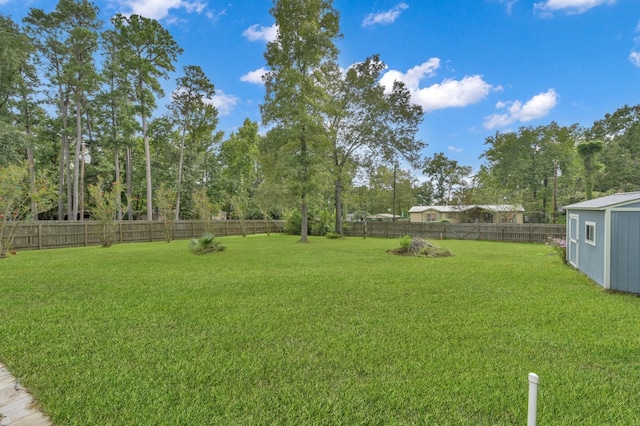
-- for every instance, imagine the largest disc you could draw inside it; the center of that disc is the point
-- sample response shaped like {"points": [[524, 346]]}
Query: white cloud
{"points": [[159, 9], [634, 57], [254, 76], [384, 18], [453, 93], [454, 148], [413, 76], [450, 93], [570, 6], [215, 16], [257, 32], [223, 102], [536, 107], [508, 4]]}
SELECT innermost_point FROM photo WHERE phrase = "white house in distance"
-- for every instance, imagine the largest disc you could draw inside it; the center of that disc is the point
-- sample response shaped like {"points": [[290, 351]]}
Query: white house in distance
{"points": [[476, 213]]}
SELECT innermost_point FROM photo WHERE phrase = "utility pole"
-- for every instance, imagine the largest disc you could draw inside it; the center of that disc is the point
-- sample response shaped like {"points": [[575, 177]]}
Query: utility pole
{"points": [[393, 213], [555, 191]]}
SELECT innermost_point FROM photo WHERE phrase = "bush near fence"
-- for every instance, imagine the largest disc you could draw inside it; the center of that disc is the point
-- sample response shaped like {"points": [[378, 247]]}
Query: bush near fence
{"points": [[532, 233], [54, 234]]}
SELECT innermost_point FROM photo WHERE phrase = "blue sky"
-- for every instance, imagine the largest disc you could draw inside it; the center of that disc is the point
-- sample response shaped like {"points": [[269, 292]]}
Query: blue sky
{"points": [[476, 66]]}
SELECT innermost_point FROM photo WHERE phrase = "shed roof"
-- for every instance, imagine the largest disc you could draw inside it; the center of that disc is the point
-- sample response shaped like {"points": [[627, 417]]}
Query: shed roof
{"points": [[602, 203]]}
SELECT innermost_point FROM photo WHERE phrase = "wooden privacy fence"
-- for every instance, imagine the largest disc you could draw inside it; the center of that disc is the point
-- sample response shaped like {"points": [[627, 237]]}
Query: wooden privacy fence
{"points": [[534, 233], [54, 234]]}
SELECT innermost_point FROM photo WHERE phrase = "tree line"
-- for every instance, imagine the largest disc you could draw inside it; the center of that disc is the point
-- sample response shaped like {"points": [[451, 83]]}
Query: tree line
{"points": [[78, 108]]}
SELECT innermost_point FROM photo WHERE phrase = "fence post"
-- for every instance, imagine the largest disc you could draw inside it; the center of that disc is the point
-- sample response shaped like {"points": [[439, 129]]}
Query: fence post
{"points": [[39, 236], [86, 237], [533, 399]]}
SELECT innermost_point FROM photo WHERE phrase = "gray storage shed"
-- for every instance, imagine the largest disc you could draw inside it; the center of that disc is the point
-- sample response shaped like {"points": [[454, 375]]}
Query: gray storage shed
{"points": [[603, 240]]}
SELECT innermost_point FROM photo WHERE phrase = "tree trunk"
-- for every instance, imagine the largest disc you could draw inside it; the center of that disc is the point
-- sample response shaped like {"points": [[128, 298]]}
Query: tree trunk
{"points": [[147, 159], [76, 164], [338, 195], [129, 185], [64, 155], [116, 164], [304, 221], [304, 228], [180, 164]]}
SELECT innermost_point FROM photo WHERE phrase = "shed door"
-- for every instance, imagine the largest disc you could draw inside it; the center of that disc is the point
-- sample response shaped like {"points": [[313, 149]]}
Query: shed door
{"points": [[572, 244]]}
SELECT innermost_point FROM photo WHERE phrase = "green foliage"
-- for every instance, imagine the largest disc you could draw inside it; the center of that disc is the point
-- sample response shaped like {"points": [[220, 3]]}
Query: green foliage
{"points": [[166, 199], [104, 207], [446, 176], [405, 243], [22, 197], [323, 223], [292, 222], [333, 235], [205, 245], [588, 151]]}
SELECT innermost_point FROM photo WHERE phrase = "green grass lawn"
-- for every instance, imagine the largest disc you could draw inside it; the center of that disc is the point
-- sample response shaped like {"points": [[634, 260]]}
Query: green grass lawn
{"points": [[272, 331]]}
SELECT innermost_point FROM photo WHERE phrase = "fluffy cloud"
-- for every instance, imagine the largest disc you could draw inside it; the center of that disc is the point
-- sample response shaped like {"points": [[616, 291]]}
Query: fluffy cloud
{"points": [[254, 76], [453, 148], [257, 32], [159, 9], [450, 93], [453, 93], [384, 18], [634, 57], [570, 6], [223, 102], [536, 107]]}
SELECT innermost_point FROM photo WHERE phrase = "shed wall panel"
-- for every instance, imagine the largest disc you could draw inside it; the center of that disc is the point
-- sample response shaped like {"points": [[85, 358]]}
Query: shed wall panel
{"points": [[591, 258], [625, 251]]}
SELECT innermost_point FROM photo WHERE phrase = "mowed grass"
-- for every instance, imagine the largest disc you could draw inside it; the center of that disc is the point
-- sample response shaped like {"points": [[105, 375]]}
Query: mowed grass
{"points": [[272, 331]]}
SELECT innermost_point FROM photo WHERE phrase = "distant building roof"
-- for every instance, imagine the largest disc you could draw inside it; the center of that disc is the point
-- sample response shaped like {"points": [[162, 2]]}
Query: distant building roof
{"points": [[607, 201], [494, 208]]}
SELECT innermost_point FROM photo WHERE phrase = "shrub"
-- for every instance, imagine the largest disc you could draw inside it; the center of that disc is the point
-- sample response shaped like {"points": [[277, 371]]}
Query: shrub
{"points": [[419, 247], [559, 246], [405, 243], [323, 223], [205, 244], [293, 222]]}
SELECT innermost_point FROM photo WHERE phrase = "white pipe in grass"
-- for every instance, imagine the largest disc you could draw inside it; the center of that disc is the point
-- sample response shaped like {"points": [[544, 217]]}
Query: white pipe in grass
{"points": [[533, 399]]}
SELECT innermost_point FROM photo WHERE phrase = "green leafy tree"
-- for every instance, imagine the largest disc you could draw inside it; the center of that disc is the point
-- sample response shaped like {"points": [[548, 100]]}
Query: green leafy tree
{"points": [[115, 116], [17, 196], [80, 23], [196, 118], [445, 175], [520, 167], [380, 190], [588, 152], [366, 123], [104, 208], [620, 156], [48, 35], [239, 158], [294, 101], [148, 52]]}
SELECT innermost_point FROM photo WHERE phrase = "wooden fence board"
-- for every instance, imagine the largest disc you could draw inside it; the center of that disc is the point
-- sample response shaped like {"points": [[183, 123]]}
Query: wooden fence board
{"points": [[53, 234], [533, 233]]}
